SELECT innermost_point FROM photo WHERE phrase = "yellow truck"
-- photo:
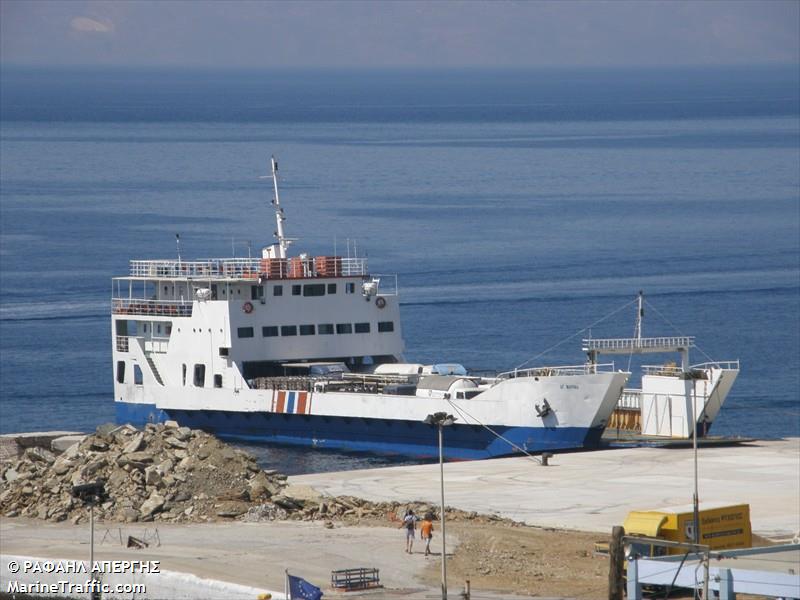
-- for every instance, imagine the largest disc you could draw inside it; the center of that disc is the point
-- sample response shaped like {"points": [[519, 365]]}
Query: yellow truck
{"points": [[721, 527]]}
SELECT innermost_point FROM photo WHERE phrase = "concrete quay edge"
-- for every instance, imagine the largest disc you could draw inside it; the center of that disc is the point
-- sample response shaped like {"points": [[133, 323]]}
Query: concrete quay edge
{"points": [[593, 491]]}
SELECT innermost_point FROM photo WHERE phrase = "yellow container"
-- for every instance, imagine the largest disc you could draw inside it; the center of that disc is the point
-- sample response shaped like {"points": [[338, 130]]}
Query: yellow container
{"points": [[721, 527]]}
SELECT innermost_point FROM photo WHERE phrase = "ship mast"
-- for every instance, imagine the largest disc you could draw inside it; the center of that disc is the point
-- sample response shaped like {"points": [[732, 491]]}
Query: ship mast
{"points": [[283, 243], [639, 315]]}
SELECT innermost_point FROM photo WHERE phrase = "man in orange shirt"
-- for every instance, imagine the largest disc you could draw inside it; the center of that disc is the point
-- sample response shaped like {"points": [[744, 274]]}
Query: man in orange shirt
{"points": [[426, 532]]}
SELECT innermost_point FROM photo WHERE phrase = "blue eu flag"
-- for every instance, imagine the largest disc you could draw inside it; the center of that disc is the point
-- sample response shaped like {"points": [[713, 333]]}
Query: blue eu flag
{"points": [[300, 589]]}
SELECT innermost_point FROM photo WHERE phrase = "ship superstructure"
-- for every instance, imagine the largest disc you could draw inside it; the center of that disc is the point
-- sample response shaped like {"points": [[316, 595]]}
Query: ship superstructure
{"points": [[309, 350], [674, 401]]}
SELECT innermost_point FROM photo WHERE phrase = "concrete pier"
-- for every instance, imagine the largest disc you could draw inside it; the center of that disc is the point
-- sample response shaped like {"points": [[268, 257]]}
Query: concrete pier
{"points": [[593, 491]]}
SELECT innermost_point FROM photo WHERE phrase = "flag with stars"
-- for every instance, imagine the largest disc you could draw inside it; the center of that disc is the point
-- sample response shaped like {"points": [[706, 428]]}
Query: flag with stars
{"points": [[300, 589]]}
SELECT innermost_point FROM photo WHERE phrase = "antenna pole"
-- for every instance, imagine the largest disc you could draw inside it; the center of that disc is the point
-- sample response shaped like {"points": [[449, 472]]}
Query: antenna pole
{"points": [[178, 244], [279, 218], [639, 317]]}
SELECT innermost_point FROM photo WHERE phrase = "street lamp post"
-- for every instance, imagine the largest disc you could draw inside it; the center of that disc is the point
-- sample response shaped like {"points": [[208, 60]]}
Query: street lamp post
{"points": [[442, 420], [91, 494]]}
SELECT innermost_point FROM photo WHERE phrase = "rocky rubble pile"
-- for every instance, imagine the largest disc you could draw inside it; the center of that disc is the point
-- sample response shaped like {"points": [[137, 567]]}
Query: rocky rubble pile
{"points": [[175, 474], [161, 473]]}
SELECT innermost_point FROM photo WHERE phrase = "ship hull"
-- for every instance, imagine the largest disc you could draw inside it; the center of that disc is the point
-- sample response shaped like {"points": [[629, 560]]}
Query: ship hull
{"points": [[355, 434]]}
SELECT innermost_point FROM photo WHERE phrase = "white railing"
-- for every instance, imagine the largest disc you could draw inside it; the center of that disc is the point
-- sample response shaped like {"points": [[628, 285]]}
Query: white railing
{"points": [[677, 371], [249, 268], [585, 369], [158, 308], [123, 343], [159, 345], [728, 365], [387, 285], [630, 399], [654, 343]]}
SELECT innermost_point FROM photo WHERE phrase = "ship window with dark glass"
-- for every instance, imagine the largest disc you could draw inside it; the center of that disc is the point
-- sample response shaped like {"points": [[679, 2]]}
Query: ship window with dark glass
{"points": [[256, 292], [306, 330], [325, 328], [344, 328], [362, 327], [217, 380], [120, 371], [314, 289], [245, 332], [199, 375], [297, 290], [288, 330], [331, 288], [350, 288], [277, 290], [269, 331], [385, 326]]}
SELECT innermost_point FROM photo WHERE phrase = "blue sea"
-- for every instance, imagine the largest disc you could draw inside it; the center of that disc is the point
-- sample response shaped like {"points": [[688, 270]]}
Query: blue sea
{"points": [[518, 209]]}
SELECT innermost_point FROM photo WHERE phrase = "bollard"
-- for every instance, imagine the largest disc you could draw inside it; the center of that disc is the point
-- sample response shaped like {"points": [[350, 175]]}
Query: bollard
{"points": [[546, 456]]}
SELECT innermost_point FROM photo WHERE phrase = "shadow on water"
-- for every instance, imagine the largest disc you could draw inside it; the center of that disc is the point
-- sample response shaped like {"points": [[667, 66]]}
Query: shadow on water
{"points": [[294, 460]]}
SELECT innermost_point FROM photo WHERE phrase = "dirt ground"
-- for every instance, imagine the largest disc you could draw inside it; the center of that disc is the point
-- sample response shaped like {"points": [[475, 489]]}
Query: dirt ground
{"points": [[516, 559], [523, 560]]}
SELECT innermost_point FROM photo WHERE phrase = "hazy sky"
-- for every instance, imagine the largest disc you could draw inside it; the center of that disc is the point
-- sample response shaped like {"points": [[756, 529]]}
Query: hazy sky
{"points": [[408, 33]]}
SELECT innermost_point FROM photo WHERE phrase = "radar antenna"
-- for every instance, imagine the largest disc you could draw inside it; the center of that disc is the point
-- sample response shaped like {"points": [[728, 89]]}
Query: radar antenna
{"points": [[283, 241]]}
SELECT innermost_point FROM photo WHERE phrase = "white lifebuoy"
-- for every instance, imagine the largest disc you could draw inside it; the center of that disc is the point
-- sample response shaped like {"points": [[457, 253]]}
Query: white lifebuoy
{"points": [[380, 302], [247, 307]]}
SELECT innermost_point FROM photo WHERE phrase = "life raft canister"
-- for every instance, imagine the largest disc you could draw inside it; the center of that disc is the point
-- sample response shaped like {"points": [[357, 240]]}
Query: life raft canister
{"points": [[380, 302], [247, 307]]}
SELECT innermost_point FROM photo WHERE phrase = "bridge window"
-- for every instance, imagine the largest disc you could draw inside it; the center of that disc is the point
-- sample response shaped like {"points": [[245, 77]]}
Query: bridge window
{"points": [[385, 326], [331, 288], [269, 331], [350, 288], [344, 328], [120, 371], [277, 290], [325, 328], [314, 289], [287, 330], [256, 292], [245, 332], [297, 290], [362, 327], [306, 330], [199, 375]]}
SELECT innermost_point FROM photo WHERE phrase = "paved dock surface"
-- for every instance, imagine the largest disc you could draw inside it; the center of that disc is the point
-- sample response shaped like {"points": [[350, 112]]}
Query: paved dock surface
{"points": [[249, 554], [593, 491]]}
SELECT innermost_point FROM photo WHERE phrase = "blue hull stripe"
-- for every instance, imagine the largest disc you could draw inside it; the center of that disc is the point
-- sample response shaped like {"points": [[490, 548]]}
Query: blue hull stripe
{"points": [[382, 436], [290, 406]]}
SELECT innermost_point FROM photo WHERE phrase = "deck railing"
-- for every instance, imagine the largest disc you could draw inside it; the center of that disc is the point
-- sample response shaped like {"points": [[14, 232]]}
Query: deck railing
{"points": [[249, 268], [584, 369], [677, 371], [157, 308], [633, 344], [630, 399]]}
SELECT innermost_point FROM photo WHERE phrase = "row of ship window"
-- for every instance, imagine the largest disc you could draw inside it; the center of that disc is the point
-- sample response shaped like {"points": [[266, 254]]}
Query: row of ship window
{"points": [[309, 289], [321, 329], [199, 379]]}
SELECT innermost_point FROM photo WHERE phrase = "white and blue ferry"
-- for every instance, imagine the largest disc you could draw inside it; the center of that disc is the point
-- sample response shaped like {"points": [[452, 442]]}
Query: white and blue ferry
{"points": [[309, 351]]}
